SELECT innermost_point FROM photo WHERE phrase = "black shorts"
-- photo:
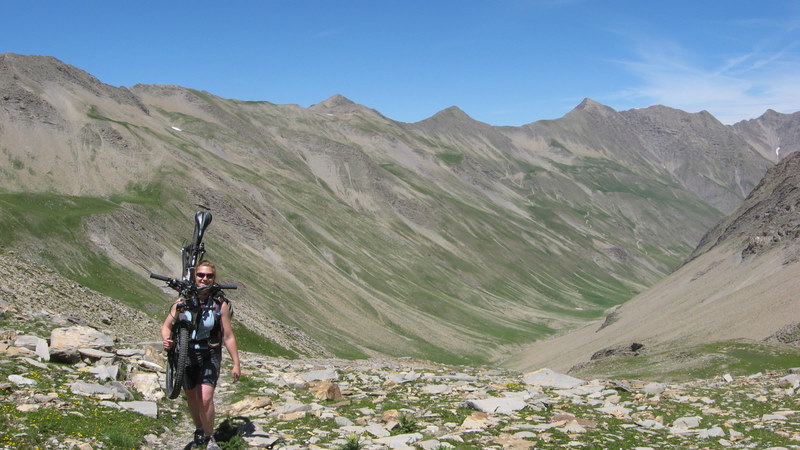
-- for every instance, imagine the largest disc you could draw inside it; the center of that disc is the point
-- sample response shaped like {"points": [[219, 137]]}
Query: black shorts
{"points": [[203, 367]]}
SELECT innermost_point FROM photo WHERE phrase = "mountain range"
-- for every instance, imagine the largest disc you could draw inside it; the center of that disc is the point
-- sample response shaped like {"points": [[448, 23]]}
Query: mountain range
{"points": [[355, 235]]}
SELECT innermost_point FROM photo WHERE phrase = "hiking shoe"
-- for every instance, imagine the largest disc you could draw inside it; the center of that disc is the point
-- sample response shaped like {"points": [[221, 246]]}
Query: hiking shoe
{"points": [[199, 437], [212, 444]]}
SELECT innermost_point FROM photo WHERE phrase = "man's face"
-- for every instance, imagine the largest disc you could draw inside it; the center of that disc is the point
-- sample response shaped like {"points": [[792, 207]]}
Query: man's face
{"points": [[204, 276]]}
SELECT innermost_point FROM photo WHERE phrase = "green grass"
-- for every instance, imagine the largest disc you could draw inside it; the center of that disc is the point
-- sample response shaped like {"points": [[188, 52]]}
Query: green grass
{"points": [[26, 215], [556, 144], [407, 423], [352, 442], [450, 158], [122, 429], [94, 114], [142, 193], [250, 341]]}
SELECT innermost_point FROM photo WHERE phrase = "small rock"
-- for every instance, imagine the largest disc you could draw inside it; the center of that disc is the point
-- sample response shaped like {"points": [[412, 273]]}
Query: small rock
{"points": [[20, 380], [654, 388], [320, 375], [28, 407], [727, 377], [773, 418], [128, 352], [497, 405], [149, 409], [400, 440], [687, 422], [251, 407]]}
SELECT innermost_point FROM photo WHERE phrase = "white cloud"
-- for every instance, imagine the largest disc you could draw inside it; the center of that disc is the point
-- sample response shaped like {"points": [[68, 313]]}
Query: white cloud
{"points": [[736, 88]]}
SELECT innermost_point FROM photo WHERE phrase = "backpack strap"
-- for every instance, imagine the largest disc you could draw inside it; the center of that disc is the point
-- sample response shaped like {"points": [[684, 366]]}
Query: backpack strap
{"points": [[216, 333]]}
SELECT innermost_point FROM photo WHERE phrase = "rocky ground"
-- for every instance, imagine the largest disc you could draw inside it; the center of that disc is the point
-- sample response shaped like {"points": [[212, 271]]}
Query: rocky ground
{"points": [[381, 403], [75, 377]]}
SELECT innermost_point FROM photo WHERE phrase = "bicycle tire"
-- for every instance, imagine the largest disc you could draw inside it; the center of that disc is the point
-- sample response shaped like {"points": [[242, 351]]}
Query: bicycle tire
{"points": [[177, 360]]}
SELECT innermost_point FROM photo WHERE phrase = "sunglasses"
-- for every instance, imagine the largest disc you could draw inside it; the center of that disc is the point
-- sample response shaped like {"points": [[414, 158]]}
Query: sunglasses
{"points": [[202, 275]]}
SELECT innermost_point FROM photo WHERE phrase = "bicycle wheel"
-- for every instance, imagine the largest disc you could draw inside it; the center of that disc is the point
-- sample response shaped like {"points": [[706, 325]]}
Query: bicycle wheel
{"points": [[177, 359]]}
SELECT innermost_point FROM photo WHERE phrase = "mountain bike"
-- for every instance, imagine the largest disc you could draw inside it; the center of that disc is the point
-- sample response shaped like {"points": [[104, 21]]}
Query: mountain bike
{"points": [[188, 310]]}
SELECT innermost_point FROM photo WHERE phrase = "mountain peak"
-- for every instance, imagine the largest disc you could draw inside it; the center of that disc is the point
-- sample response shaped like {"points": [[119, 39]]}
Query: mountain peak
{"points": [[590, 105], [454, 111], [336, 100], [335, 103], [587, 103], [450, 115], [338, 104]]}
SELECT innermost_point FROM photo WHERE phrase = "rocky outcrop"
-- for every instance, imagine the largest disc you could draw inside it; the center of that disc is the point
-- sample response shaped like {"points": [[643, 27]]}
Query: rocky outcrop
{"points": [[767, 218], [789, 334]]}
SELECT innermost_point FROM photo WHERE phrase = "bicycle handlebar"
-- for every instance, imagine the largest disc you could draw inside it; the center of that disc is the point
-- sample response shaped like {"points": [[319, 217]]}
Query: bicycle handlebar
{"points": [[160, 277], [177, 284]]}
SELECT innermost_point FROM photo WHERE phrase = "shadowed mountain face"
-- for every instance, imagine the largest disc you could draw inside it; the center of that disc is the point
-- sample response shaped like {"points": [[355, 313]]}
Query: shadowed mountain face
{"points": [[353, 234]]}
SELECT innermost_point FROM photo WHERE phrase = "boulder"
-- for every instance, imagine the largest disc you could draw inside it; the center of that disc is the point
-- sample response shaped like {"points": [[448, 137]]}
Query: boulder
{"points": [[326, 390], [65, 343]]}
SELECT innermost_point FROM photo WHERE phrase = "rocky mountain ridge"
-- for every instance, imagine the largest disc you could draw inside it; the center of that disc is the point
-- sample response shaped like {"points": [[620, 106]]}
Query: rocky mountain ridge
{"points": [[447, 239]]}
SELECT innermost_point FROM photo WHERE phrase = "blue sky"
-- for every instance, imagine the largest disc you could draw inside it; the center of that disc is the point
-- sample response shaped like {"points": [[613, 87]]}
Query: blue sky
{"points": [[504, 62]]}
